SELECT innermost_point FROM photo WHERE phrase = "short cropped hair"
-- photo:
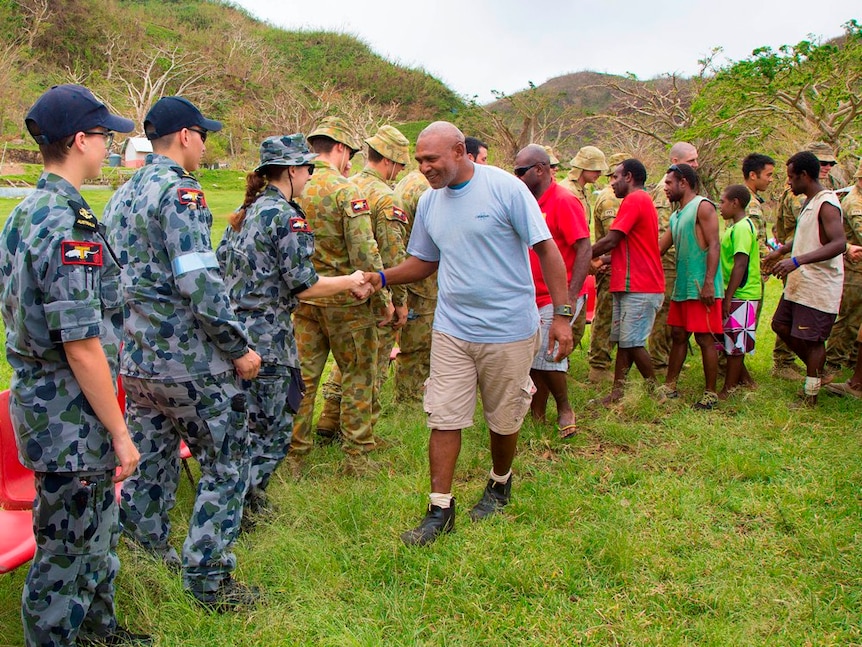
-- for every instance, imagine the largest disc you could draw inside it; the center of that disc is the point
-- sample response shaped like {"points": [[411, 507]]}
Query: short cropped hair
{"points": [[755, 162], [321, 144], [805, 162], [687, 173], [740, 193], [473, 144], [637, 170]]}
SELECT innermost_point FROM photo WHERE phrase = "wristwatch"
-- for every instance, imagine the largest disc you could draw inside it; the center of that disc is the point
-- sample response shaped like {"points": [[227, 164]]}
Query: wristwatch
{"points": [[564, 311]]}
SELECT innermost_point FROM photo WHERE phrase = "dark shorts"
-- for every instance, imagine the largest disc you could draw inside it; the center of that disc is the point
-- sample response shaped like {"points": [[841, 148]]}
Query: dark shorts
{"points": [[805, 323]]}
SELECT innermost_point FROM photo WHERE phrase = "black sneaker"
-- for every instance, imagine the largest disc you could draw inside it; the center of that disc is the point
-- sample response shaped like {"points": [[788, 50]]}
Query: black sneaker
{"points": [[119, 636], [494, 499], [230, 596], [437, 521]]}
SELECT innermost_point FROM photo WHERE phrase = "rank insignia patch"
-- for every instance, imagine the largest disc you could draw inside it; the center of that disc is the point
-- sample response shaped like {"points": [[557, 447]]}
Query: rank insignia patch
{"points": [[194, 198], [359, 206], [399, 214], [77, 252]]}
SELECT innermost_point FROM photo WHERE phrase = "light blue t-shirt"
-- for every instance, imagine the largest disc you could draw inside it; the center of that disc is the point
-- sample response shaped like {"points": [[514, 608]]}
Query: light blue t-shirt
{"points": [[480, 235]]}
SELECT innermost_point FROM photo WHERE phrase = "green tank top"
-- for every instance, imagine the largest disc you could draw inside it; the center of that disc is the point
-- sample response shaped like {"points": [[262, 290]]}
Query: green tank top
{"points": [[690, 256]]}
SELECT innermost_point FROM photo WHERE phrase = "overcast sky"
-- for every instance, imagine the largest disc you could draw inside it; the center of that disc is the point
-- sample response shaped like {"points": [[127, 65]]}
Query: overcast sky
{"points": [[476, 46]]}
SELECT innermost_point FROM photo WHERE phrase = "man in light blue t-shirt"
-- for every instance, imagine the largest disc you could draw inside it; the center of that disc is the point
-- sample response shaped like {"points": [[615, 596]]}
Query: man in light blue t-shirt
{"points": [[476, 226]]}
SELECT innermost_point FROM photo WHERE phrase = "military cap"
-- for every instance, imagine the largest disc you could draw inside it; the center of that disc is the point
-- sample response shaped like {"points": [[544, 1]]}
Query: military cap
{"points": [[859, 170], [172, 114], [553, 158], [822, 151], [336, 128], [590, 158], [615, 160], [68, 109], [285, 150], [389, 142]]}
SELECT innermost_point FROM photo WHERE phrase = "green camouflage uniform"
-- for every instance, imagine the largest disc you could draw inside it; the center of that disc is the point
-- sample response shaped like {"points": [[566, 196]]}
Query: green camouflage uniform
{"points": [[413, 364], [659, 339], [841, 348], [180, 337], [754, 210], [601, 347], [579, 323], [340, 219], [60, 284], [390, 231]]}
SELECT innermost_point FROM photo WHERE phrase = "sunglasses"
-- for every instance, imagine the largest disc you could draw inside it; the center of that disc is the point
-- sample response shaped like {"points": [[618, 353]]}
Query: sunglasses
{"points": [[202, 133], [822, 163], [521, 171], [310, 168], [673, 168]]}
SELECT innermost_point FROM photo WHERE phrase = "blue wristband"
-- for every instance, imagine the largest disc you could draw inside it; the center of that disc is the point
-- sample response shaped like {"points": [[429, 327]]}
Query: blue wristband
{"points": [[383, 279], [795, 262]]}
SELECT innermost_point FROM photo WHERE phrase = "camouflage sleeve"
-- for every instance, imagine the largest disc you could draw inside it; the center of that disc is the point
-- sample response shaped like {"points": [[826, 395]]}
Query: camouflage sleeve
{"points": [[295, 246], [359, 237], [71, 298], [391, 238], [788, 212], [606, 211], [186, 221], [755, 211], [852, 207]]}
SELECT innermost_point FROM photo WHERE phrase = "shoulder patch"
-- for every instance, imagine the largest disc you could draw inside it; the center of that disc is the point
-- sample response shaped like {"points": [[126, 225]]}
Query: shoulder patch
{"points": [[298, 224], [399, 214], [359, 206], [77, 252], [193, 198], [84, 218]]}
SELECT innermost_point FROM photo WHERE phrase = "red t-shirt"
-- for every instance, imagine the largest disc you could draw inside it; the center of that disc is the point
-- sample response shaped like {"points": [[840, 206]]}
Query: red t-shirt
{"points": [[636, 262], [565, 217]]}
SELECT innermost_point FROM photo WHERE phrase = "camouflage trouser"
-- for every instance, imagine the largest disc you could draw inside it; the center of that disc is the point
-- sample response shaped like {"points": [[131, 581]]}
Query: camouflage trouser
{"points": [[841, 347], [413, 364], [782, 356], [601, 346], [209, 413], [659, 339], [69, 590], [351, 334], [270, 423]]}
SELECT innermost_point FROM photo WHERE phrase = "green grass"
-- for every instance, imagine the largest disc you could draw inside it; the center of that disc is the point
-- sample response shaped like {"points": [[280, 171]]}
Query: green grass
{"points": [[655, 525]]}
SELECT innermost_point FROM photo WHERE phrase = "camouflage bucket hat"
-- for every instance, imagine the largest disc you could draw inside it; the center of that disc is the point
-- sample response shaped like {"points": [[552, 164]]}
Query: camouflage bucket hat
{"points": [[615, 160], [553, 158], [590, 158], [336, 128], [389, 142], [285, 150], [822, 151]]}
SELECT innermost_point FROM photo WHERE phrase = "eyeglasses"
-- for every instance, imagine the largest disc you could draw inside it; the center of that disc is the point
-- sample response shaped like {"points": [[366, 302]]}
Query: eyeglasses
{"points": [[822, 163], [673, 168], [521, 171], [310, 168], [202, 133], [108, 135]]}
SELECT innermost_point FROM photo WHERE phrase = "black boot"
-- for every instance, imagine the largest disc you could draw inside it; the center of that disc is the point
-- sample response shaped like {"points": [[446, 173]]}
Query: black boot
{"points": [[494, 499], [119, 636], [437, 521]]}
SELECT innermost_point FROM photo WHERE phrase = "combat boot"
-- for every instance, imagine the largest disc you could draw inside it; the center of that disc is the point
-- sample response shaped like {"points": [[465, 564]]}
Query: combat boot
{"points": [[494, 499], [437, 521], [118, 636], [230, 596]]}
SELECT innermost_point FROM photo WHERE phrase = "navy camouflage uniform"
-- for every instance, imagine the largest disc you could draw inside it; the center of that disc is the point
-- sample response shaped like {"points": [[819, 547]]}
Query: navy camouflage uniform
{"points": [[180, 337], [265, 265], [61, 284]]}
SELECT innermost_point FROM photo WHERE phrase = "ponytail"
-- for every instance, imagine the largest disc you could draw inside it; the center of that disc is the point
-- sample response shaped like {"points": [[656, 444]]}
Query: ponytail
{"points": [[255, 183]]}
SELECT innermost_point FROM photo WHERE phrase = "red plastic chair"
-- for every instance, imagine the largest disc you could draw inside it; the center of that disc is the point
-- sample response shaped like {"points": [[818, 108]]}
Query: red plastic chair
{"points": [[17, 543], [17, 486], [590, 284]]}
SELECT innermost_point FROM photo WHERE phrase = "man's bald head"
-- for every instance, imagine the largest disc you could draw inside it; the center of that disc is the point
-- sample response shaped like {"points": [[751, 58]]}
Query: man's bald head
{"points": [[532, 154], [683, 153], [533, 167], [442, 155]]}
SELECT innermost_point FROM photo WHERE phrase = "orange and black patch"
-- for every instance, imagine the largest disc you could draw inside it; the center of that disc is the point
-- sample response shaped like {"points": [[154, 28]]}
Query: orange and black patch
{"points": [[359, 206], [77, 252], [399, 214], [299, 225], [193, 198]]}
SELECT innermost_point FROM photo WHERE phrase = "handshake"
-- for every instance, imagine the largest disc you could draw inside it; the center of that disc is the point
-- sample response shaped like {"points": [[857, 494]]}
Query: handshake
{"points": [[364, 284]]}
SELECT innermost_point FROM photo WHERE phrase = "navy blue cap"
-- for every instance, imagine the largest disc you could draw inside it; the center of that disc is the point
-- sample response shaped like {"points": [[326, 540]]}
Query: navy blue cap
{"points": [[68, 109], [171, 114]]}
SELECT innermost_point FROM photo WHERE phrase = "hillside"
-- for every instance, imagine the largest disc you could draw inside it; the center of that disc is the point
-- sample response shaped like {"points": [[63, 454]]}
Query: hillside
{"points": [[256, 78]]}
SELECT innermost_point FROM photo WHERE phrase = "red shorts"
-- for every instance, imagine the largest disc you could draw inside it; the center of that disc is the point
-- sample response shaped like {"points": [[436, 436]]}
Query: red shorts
{"points": [[696, 317]]}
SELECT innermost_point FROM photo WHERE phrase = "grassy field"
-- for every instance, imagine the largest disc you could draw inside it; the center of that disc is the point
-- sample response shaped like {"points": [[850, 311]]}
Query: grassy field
{"points": [[655, 525]]}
